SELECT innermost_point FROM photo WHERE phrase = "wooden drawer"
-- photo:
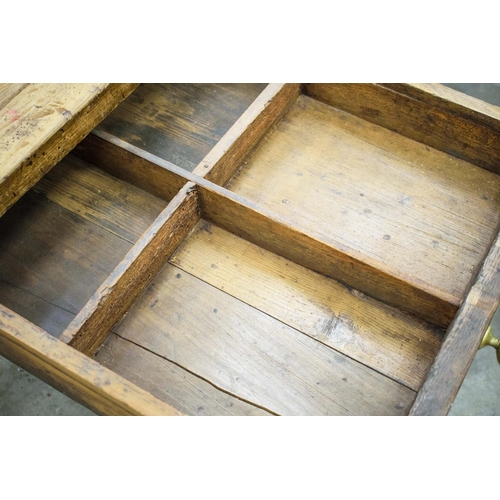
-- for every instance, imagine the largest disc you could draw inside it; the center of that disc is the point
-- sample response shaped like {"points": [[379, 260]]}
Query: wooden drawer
{"points": [[243, 249]]}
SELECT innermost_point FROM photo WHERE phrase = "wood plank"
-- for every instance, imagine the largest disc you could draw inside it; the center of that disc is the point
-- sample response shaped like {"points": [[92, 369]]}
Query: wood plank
{"points": [[225, 158], [251, 355], [54, 254], [380, 337], [312, 250], [378, 193], [112, 204], [131, 164], [417, 119], [71, 372], [47, 316], [180, 122], [42, 123], [169, 382], [8, 91], [462, 340], [113, 298]]}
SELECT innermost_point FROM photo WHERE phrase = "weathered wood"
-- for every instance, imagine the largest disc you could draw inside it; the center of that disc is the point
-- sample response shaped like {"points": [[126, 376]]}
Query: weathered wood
{"points": [[312, 250], [113, 298], [380, 337], [416, 119], [54, 254], [71, 372], [112, 204], [169, 382], [251, 355], [462, 340], [180, 122], [226, 156], [42, 123], [132, 164], [8, 91], [47, 316]]}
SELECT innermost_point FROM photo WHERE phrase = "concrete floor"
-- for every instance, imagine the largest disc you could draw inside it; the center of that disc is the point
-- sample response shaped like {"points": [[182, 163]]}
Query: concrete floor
{"points": [[23, 394]]}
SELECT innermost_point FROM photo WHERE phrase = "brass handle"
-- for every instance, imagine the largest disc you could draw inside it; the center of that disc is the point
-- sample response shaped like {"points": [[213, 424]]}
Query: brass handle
{"points": [[488, 339]]}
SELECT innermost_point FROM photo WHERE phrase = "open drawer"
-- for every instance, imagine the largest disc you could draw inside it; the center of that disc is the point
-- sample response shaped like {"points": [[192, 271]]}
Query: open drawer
{"points": [[247, 249]]}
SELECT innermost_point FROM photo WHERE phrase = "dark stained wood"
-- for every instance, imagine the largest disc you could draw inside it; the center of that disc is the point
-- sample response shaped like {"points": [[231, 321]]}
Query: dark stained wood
{"points": [[116, 206], [180, 122], [251, 355], [47, 316], [415, 210], [225, 158], [54, 254], [169, 382], [380, 337], [417, 119], [131, 164], [312, 250], [71, 372], [113, 298], [462, 340], [42, 123]]}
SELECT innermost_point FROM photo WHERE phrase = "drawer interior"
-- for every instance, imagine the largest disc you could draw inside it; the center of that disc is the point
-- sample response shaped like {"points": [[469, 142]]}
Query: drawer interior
{"points": [[310, 265]]}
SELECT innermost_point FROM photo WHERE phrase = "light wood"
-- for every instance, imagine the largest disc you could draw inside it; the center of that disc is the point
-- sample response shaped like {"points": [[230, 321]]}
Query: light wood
{"points": [[169, 382], [180, 122], [113, 298], [71, 372], [119, 207], [41, 123], [251, 355], [226, 156], [380, 337], [462, 340], [417, 119]]}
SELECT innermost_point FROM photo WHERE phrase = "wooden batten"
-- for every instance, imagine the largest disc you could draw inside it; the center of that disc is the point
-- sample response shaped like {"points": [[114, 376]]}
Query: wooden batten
{"points": [[107, 306], [226, 157], [71, 372], [420, 117], [275, 233], [53, 130], [462, 340]]}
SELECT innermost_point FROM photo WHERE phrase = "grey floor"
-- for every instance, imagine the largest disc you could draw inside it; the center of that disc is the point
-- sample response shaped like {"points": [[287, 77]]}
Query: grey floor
{"points": [[23, 394]]}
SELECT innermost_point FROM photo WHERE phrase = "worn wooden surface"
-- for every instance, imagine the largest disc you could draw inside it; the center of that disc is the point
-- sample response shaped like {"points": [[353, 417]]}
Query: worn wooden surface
{"points": [[226, 156], [416, 118], [119, 207], [169, 382], [132, 164], [113, 298], [180, 122], [462, 340], [251, 355], [382, 338], [54, 254], [41, 123], [415, 210], [71, 372]]}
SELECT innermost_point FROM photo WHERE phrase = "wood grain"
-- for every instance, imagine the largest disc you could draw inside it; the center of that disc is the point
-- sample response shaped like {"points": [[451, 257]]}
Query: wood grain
{"points": [[382, 338], [42, 123], [226, 156], [132, 164], [312, 250], [169, 382], [462, 340], [180, 122], [114, 205], [54, 254], [251, 355], [414, 209], [417, 119], [71, 372], [113, 298]]}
